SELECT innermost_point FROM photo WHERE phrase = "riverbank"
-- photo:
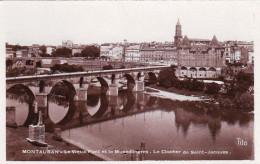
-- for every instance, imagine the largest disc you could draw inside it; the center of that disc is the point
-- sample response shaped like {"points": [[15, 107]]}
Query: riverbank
{"points": [[18, 149], [183, 92]]}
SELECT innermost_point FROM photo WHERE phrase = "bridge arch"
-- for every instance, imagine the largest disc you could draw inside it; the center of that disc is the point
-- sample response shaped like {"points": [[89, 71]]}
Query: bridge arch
{"points": [[71, 89], [103, 107], [69, 115], [130, 82], [30, 98], [130, 102], [98, 104], [152, 78], [151, 101], [102, 81]]}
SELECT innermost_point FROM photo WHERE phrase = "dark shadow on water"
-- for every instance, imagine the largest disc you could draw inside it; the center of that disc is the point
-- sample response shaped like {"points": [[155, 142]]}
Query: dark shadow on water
{"points": [[23, 94]]}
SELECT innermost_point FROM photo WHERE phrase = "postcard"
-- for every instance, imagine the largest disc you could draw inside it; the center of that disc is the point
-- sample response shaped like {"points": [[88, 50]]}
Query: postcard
{"points": [[170, 81]]}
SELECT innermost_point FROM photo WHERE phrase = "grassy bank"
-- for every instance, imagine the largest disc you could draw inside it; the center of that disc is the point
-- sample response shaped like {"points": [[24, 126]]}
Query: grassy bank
{"points": [[16, 143]]}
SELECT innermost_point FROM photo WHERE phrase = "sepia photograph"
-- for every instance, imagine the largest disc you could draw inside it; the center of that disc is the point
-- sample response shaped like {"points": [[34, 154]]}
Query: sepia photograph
{"points": [[129, 80]]}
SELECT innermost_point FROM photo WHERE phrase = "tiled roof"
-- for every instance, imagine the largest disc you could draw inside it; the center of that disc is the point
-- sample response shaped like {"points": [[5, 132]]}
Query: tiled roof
{"points": [[214, 42], [134, 47], [185, 41], [196, 48], [199, 40]]}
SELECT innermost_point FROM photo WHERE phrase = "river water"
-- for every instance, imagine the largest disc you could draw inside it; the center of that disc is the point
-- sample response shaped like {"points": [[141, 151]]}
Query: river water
{"points": [[158, 123]]}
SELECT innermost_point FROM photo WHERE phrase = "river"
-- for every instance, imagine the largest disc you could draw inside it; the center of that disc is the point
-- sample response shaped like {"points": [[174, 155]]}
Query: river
{"points": [[162, 125]]}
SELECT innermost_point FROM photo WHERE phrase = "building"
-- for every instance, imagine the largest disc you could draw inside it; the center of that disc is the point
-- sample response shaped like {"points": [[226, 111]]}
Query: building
{"points": [[77, 50], [250, 55], [22, 53], [117, 52], [159, 53], [112, 51], [105, 50], [9, 53], [239, 52], [50, 49], [178, 34], [34, 50], [132, 53], [198, 58]]}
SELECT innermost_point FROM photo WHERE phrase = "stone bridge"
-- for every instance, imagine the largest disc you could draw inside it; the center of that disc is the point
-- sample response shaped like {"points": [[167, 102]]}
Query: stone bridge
{"points": [[77, 83], [47, 62]]}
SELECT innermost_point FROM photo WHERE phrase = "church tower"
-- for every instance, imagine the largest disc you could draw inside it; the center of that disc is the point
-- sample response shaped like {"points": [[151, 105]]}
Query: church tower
{"points": [[178, 36]]}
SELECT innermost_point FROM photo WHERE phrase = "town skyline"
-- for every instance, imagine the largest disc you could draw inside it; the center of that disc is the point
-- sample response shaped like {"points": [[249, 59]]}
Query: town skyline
{"points": [[114, 22]]}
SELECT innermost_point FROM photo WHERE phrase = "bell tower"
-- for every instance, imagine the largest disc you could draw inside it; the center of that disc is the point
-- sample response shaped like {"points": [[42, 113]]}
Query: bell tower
{"points": [[178, 35]]}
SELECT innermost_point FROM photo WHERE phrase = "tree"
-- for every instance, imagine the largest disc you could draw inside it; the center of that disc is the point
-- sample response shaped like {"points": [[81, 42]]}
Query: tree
{"points": [[55, 67], [43, 49], [240, 85], [122, 67], [107, 67], [245, 78], [66, 68], [62, 52], [167, 77], [16, 47], [196, 85], [90, 51], [245, 101]]}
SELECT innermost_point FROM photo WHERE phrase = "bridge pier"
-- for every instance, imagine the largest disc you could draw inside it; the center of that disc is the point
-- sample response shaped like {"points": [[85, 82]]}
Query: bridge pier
{"points": [[82, 93], [139, 86], [42, 103], [112, 90]]}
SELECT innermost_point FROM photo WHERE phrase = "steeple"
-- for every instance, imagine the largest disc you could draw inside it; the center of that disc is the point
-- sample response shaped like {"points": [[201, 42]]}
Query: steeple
{"points": [[178, 35], [178, 23]]}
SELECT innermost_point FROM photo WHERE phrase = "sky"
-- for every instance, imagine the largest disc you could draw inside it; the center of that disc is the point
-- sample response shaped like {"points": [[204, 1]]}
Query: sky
{"points": [[49, 23]]}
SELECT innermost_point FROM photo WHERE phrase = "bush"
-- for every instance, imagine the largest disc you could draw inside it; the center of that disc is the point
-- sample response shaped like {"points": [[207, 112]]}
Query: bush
{"points": [[55, 67], [226, 102], [221, 78], [179, 84], [212, 88], [66, 68], [167, 78], [196, 85], [245, 100], [107, 67], [62, 52], [20, 72], [122, 67]]}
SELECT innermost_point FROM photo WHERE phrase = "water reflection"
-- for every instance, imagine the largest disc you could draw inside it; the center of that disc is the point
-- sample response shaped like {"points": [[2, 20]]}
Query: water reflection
{"points": [[22, 99], [174, 124]]}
